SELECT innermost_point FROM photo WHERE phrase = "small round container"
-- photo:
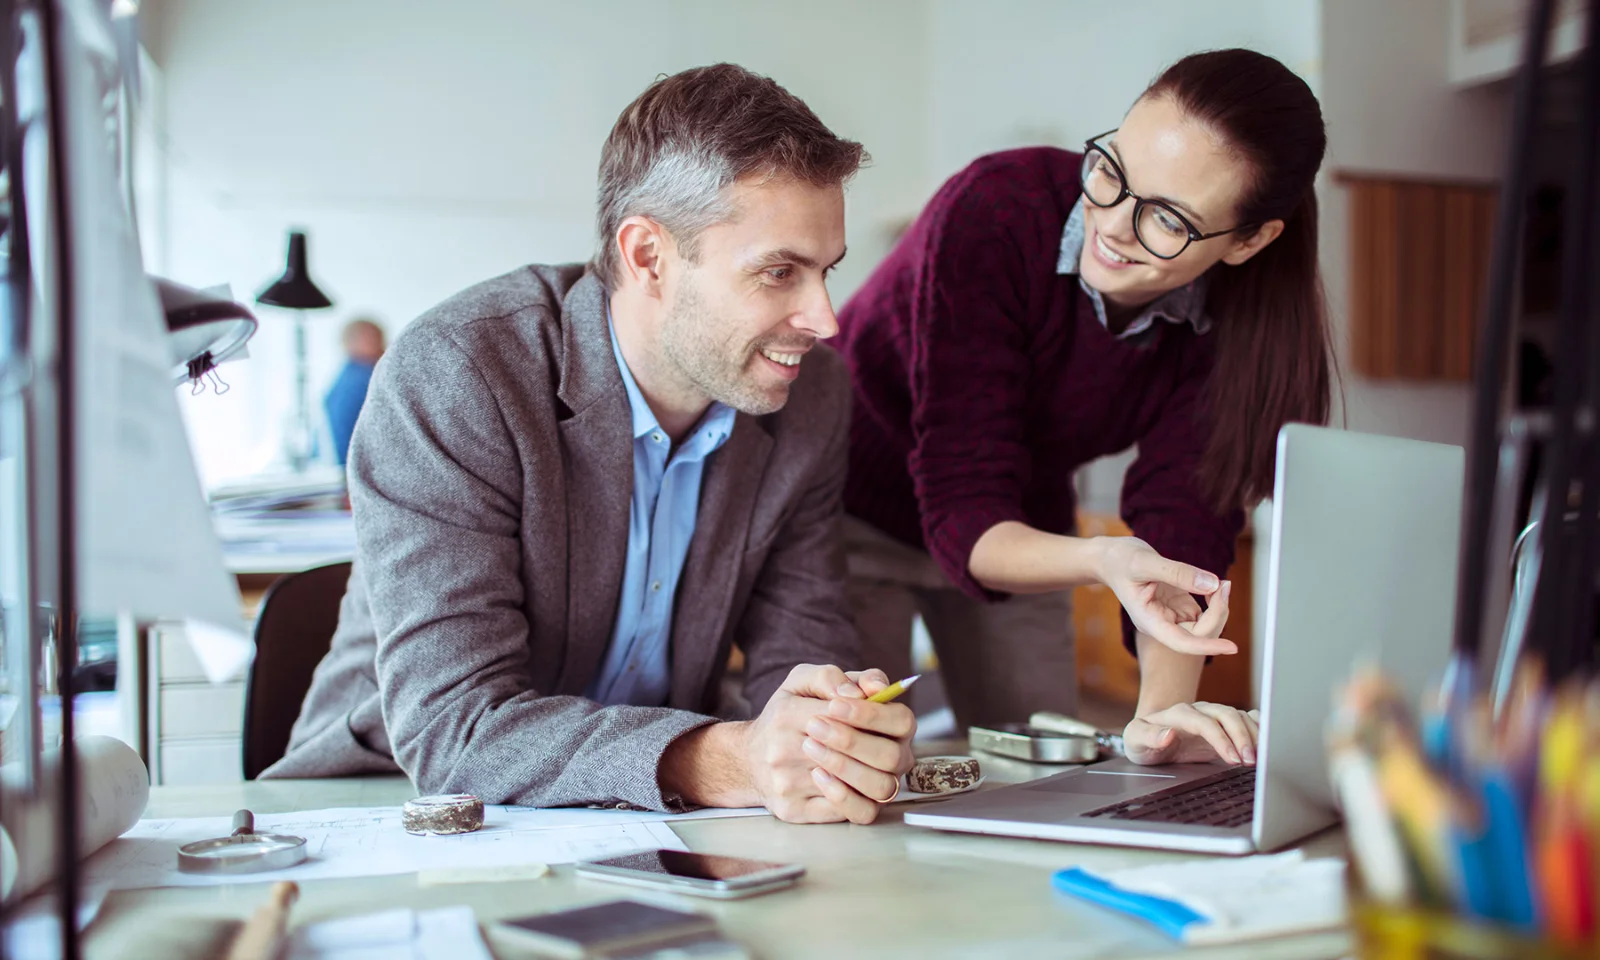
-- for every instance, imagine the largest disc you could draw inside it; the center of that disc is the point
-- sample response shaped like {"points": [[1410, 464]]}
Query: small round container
{"points": [[943, 774], [442, 815]]}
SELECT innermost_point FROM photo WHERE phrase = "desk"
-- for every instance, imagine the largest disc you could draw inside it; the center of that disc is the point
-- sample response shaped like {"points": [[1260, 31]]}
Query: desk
{"points": [[881, 891]]}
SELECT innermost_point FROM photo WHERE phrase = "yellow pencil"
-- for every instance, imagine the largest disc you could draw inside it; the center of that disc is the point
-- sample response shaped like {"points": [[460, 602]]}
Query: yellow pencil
{"points": [[894, 689]]}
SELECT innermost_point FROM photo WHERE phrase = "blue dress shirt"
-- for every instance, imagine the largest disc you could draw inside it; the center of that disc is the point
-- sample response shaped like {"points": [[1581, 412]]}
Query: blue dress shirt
{"points": [[666, 501], [343, 405]]}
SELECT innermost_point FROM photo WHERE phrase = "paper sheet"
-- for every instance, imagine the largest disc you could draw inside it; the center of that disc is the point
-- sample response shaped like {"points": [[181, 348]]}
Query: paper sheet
{"points": [[369, 841], [450, 933], [144, 533]]}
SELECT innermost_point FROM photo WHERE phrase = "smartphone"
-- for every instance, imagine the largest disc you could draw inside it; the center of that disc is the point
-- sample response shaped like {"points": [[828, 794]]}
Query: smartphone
{"points": [[1027, 742], [621, 928], [701, 874]]}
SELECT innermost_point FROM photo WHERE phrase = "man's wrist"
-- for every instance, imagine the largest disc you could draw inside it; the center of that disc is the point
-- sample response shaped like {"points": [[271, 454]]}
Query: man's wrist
{"points": [[708, 767]]}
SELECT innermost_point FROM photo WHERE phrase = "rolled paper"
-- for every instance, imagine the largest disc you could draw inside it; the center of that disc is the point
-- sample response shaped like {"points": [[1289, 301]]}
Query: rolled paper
{"points": [[113, 788]]}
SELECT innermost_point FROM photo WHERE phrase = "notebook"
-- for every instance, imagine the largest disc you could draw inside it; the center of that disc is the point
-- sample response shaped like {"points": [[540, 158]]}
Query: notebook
{"points": [[1221, 901]]}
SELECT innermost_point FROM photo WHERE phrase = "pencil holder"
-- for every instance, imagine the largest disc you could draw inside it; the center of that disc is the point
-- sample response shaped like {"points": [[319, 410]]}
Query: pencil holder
{"points": [[1413, 933]]}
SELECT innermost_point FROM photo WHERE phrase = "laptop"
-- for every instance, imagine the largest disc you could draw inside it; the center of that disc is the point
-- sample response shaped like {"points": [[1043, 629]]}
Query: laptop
{"points": [[1362, 569]]}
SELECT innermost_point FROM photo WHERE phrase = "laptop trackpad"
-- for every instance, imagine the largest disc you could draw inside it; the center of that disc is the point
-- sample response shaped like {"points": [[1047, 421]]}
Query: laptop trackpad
{"points": [[1105, 784]]}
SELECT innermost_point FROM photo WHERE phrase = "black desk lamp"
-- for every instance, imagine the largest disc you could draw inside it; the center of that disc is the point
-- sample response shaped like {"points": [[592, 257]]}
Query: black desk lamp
{"points": [[296, 291]]}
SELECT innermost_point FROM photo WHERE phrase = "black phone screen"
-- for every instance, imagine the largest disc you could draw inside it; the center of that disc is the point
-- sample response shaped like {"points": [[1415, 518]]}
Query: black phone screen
{"points": [[693, 866]]}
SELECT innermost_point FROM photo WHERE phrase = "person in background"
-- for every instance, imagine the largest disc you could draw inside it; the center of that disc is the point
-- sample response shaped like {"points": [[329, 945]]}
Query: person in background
{"points": [[577, 487], [363, 344], [1158, 289]]}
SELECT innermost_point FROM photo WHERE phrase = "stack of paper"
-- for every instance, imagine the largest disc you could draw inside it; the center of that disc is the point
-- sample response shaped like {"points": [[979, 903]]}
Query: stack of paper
{"points": [[288, 521], [323, 533], [317, 488]]}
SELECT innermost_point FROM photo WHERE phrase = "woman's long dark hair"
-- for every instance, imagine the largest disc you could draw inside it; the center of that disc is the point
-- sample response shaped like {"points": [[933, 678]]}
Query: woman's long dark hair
{"points": [[1273, 360]]}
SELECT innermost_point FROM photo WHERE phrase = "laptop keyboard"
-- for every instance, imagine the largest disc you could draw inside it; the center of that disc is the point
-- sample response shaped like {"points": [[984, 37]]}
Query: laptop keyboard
{"points": [[1224, 799]]}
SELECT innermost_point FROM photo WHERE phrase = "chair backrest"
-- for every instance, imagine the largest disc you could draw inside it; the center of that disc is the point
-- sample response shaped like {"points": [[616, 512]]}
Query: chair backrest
{"points": [[293, 632]]}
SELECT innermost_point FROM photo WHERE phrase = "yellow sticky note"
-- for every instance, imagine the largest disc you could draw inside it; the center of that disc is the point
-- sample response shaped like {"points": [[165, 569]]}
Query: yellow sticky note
{"points": [[446, 875]]}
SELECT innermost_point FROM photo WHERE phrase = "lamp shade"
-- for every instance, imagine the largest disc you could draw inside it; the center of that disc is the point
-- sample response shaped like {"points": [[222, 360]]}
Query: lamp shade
{"points": [[294, 289], [199, 324]]}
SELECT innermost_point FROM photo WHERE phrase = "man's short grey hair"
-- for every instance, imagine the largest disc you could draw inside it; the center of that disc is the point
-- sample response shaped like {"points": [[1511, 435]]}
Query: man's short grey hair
{"points": [[676, 149]]}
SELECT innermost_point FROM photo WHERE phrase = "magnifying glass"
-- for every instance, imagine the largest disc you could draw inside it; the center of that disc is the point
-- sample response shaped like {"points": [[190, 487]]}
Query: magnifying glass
{"points": [[244, 851]]}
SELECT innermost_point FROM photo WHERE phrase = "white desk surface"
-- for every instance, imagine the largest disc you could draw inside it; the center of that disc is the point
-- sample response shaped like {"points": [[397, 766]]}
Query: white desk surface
{"points": [[880, 891], [286, 562]]}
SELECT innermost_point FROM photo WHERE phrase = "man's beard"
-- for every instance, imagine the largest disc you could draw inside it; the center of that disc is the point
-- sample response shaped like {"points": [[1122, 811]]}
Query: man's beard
{"points": [[688, 339]]}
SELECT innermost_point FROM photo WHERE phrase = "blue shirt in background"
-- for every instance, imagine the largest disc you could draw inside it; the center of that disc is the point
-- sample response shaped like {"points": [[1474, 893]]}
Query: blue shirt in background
{"points": [[666, 501], [343, 404]]}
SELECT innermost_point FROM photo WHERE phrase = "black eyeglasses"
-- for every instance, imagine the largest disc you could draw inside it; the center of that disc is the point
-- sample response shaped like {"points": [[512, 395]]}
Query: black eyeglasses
{"points": [[1161, 229]]}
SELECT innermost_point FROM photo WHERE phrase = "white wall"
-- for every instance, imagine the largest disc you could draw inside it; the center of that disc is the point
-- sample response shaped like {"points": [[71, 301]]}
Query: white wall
{"points": [[1390, 107], [428, 146], [1059, 71]]}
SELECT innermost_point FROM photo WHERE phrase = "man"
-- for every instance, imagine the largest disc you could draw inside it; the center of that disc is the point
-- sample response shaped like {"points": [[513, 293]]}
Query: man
{"points": [[363, 346], [575, 488]]}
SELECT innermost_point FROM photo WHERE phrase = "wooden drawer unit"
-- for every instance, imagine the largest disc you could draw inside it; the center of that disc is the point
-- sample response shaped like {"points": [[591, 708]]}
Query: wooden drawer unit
{"points": [[194, 725], [200, 761], [201, 710]]}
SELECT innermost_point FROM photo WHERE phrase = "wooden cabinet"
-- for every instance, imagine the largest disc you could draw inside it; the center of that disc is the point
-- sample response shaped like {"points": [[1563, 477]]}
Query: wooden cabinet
{"points": [[1419, 255], [1105, 668]]}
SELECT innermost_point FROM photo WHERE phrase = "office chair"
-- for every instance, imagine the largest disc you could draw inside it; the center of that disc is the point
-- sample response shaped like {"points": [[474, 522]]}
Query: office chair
{"points": [[293, 632]]}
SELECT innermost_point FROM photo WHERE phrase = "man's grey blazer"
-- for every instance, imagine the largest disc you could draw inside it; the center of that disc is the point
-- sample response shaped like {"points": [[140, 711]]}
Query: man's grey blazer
{"points": [[491, 474]]}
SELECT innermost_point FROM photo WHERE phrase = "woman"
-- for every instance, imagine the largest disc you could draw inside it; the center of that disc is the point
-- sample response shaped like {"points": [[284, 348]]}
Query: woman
{"points": [[1048, 308]]}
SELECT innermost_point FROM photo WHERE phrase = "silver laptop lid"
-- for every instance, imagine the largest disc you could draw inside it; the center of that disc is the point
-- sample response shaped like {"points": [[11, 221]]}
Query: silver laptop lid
{"points": [[1362, 568]]}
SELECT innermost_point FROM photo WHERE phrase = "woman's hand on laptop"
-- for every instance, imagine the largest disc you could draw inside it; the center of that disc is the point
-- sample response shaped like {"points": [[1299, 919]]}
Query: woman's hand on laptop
{"points": [[1193, 733], [1168, 728]]}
